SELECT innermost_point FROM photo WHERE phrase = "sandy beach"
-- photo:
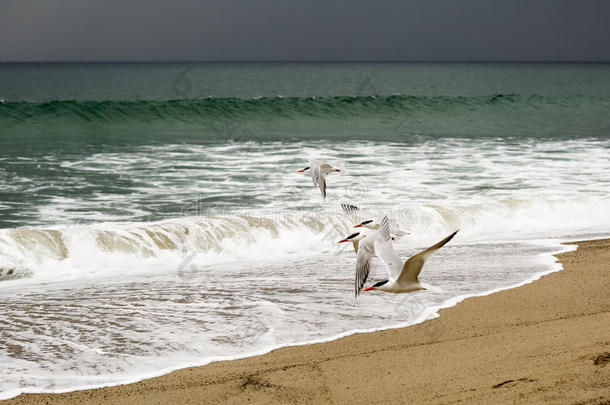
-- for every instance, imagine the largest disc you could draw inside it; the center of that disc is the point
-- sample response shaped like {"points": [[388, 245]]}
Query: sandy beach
{"points": [[548, 341]]}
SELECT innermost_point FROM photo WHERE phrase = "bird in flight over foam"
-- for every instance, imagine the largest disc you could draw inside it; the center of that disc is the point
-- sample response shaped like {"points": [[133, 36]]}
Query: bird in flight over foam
{"points": [[369, 230], [356, 237], [402, 277], [373, 224], [364, 245], [319, 170]]}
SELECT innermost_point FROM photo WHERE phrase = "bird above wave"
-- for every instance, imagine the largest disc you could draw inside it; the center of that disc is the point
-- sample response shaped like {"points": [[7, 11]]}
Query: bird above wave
{"points": [[319, 170], [373, 224], [364, 245]]}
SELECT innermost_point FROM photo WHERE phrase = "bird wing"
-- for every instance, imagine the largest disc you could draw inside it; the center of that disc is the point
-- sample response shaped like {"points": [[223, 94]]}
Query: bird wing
{"points": [[322, 185], [315, 171], [413, 266], [363, 262], [385, 251], [349, 208]]}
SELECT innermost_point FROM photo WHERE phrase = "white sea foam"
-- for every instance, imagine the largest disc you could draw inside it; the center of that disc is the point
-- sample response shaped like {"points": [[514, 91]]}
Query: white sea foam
{"points": [[107, 248]]}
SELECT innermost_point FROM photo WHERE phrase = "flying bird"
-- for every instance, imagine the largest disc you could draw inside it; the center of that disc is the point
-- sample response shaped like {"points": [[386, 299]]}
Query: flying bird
{"points": [[355, 238], [374, 224], [318, 171], [364, 245], [402, 277], [349, 208]]}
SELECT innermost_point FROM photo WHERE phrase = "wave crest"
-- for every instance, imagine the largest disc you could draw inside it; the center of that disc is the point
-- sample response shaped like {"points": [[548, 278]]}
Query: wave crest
{"points": [[203, 109], [162, 246]]}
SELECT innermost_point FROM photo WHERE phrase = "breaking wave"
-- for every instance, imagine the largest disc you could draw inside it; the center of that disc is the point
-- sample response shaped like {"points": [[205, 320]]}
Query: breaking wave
{"points": [[267, 235]]}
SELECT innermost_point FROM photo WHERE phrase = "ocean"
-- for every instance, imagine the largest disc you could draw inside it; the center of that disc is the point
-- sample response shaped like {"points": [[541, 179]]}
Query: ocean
{"points": [[151, 215]]}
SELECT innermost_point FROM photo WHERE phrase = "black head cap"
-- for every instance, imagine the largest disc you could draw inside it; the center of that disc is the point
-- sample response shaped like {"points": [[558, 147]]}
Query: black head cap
{"points": [[379, 284]]}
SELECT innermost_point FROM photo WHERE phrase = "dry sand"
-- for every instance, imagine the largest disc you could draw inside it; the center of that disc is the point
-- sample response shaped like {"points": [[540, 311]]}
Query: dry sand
{"points": [[548, 341]]}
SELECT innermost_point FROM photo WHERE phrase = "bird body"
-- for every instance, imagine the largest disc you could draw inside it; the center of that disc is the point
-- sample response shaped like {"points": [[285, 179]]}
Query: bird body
{"points": [[373, 224], [319, 170], [364, 244]]}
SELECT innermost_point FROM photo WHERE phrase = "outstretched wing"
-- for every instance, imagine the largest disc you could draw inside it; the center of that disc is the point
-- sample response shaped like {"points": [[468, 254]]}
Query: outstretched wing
{"points": [[322, 185], [349, 208], [315, 171], [385, 251], [413, 266], [363, 264]]}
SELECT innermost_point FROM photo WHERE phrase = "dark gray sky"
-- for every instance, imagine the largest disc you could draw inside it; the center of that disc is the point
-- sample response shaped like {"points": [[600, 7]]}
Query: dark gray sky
{"points": [[298, 30]]}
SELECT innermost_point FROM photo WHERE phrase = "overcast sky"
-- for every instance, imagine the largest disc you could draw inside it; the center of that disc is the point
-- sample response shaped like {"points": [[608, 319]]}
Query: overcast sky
{"points": [[300, 30]]}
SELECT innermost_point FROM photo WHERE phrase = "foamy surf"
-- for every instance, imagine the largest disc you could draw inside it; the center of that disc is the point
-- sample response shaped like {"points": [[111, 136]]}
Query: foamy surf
{"points": [[107, 248]]}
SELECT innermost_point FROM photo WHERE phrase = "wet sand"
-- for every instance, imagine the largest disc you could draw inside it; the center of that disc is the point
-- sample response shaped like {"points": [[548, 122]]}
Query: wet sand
{"points": [[548, 341]]}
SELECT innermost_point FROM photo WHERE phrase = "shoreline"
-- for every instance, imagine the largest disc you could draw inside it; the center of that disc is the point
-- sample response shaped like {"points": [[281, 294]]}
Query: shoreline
{"points": [[275, 376]]}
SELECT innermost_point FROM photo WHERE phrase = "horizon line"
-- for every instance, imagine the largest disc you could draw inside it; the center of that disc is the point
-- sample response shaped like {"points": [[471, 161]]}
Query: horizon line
{"points": [[310, 61]]}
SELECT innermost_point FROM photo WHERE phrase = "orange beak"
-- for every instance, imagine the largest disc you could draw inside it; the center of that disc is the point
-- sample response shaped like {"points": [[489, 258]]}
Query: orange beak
{"points": [[344, 240], [358, 226], [368, 289], [300, 171]]}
